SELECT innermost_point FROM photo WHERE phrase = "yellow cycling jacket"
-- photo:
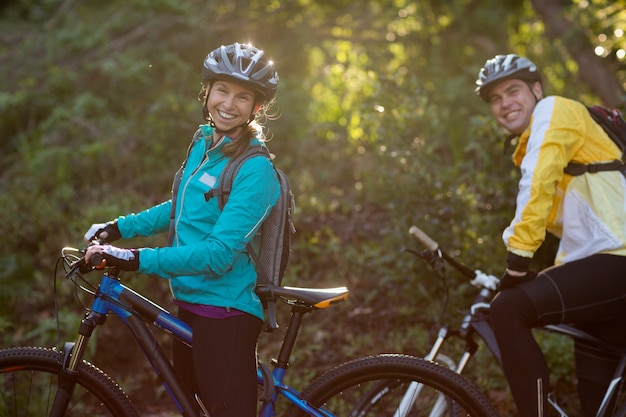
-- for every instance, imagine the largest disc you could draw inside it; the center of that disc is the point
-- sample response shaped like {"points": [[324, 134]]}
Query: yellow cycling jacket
{"points": [[587, 212]]}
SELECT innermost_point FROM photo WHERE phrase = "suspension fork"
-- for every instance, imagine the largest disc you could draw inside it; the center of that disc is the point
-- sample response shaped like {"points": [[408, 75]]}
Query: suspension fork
{"points": [[434, 351], [470, 349], [415, 388], [70, 361]]}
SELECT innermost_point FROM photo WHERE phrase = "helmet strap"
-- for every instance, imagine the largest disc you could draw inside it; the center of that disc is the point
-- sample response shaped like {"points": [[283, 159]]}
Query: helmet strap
{"points": [[530, 87]]}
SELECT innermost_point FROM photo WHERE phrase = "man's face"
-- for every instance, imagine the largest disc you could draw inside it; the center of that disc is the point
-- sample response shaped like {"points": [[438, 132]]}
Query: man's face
{"points": [[512, 103]]}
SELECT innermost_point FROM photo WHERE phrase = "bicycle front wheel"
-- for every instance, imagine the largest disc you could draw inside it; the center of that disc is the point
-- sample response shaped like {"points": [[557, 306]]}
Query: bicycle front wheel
{"points": [[394, 385], [29, 381]]}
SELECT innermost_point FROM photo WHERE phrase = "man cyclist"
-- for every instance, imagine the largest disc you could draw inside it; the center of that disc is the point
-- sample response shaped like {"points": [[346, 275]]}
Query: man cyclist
{"points": [[587, 285]]}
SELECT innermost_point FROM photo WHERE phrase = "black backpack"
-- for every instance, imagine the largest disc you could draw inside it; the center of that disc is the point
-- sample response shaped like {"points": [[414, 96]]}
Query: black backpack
{"points": [[614, 125], [274, 236]]}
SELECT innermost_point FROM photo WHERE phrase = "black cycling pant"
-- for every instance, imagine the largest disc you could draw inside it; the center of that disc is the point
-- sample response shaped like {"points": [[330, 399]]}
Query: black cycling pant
{"points": [[589, 293], [222, 365]]}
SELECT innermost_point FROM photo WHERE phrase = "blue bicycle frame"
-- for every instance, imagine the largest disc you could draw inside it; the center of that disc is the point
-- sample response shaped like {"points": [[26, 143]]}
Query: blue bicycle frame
{"points": [[138, 313]]}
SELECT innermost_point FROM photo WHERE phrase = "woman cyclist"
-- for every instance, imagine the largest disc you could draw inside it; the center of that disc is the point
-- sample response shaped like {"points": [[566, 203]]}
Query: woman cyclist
{"points": [[211, 276], [587, 285]]}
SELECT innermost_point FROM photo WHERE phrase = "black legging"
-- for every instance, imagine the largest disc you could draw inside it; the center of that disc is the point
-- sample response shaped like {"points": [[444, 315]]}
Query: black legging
{"points": [[589, 293], [222, 366]]}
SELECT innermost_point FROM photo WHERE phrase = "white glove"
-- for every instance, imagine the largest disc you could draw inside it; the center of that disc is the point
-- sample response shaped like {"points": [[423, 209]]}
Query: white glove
{"points": [[126, 259], [106, 232], [93, 230]]}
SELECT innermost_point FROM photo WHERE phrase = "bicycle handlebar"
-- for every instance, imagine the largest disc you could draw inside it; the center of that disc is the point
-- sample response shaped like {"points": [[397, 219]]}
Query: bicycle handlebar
{"points": [[478, 278], [424, 238], [79, 263]]}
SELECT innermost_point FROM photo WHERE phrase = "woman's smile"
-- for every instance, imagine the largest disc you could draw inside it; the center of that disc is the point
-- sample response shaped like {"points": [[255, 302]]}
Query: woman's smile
{"points": [[230, 105]]}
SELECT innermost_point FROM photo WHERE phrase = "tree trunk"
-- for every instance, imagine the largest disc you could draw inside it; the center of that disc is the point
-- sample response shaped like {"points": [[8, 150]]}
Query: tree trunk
{"points": [[592, 69]]}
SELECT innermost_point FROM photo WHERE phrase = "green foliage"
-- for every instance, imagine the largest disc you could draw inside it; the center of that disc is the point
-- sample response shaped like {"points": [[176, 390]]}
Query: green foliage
{"points": [[379, 129]]}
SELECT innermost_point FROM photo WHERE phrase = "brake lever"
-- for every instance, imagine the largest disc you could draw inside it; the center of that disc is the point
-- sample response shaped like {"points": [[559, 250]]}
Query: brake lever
{"points": [[411, 251], [434, 258], [74, 267], [80, 265]]}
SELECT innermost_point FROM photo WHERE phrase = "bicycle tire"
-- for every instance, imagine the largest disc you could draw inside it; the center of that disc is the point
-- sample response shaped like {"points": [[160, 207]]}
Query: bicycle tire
{"points": [[346, 389], [28, 382], [384, 386]]}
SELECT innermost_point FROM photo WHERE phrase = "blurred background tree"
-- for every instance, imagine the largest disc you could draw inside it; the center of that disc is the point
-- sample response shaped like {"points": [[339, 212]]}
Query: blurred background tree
{"points": [[379, 129]]}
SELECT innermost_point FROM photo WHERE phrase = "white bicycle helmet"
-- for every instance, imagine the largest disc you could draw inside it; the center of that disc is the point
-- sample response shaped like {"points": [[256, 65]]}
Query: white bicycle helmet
{"points": [[505, 67], [242, 63]]}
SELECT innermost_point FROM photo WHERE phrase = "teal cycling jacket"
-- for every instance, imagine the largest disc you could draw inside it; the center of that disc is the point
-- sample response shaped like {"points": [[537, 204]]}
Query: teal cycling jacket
{"points": [[208, 263]]}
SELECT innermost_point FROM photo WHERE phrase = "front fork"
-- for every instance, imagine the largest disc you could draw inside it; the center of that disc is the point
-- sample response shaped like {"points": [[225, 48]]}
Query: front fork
{"points": [[415, 388], [73, 353], [459, 366]]}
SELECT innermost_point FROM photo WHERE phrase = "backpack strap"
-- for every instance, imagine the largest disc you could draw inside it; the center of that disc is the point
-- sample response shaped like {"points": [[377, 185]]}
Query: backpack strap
{"points": [[227, 177], [575, 169], [268, 383], [176, 185]]}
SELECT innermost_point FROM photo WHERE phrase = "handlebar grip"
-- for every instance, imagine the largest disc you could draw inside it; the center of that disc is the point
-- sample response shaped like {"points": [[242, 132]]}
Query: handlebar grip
{"points": [[424, 238], [96, 259]]}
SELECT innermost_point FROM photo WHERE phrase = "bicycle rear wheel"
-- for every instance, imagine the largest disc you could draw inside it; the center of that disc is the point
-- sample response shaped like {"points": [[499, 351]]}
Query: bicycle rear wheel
{"points": [[28, 383], [378, 386]]}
